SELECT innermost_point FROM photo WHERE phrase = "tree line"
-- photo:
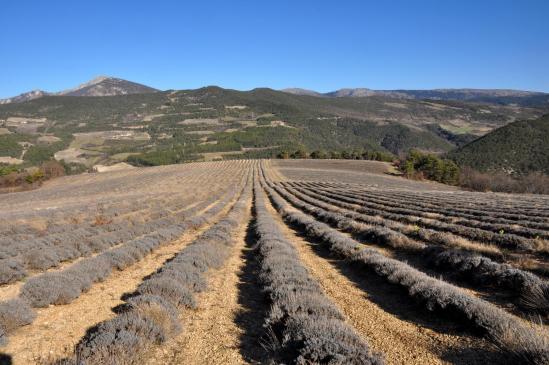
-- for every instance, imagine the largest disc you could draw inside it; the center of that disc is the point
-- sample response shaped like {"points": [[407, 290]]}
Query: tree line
{"points": [[337, 155]]}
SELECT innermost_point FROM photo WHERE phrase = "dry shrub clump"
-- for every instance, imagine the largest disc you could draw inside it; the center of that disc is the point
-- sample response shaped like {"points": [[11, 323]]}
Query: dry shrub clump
{"points": [[15, 313], [11, 271], [533, 291], [533, 183]]}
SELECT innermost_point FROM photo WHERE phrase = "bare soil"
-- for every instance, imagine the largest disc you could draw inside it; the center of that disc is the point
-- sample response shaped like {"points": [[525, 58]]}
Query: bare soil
{"points": [[210, 333]]}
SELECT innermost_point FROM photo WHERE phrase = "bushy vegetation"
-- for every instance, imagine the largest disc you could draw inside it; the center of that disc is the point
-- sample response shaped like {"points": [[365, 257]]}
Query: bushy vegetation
{"points": [[344, 155], [162, 157], [8, 169], [418, 165], [531, 183], [38, 154], [15, 178], [517, 149], [9, 146]]}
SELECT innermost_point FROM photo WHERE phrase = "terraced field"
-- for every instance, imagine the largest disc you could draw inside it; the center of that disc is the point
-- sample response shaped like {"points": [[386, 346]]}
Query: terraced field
{"points": [[232, 262]]}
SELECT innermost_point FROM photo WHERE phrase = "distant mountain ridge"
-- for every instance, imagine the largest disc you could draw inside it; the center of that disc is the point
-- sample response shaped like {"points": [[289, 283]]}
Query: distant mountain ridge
{"points": [[99, 86], [498, 96], [34, 94]]}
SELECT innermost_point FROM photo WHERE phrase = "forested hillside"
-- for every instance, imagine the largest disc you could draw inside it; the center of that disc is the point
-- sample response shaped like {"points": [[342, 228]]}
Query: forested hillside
{"points": [[518, 148], [212, 123]]}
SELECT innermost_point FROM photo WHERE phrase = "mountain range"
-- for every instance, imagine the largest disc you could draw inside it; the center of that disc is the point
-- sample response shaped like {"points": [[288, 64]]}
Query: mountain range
{"points": [[503, 96], [108, 86], [99, 86], [127, 121]]}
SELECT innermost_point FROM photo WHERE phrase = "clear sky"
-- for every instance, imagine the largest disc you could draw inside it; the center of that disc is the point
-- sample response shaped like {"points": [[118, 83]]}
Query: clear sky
{"points": [[321, 45]]}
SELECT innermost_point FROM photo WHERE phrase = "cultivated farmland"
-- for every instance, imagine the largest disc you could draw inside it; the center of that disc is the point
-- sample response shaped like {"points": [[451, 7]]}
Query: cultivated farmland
{"points": [[260, 261]]}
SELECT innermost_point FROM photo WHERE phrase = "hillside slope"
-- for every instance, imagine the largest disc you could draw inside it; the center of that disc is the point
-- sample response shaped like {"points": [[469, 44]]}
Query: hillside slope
{"points": [[519, 147], [212, 123]]}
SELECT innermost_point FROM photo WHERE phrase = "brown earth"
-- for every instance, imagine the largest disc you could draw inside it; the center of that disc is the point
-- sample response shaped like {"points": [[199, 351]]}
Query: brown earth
{"points": [[210, 333]]}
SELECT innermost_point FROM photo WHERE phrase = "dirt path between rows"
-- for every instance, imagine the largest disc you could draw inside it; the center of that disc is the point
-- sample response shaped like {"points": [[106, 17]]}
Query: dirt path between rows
{"points": [[210, 333], [58, 328], [401, 341], [272, 172]]}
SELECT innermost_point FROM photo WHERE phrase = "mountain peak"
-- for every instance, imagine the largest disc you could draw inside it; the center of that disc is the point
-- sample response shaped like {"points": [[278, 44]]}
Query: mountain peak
{"points": [[98, 86], [107, 86]]}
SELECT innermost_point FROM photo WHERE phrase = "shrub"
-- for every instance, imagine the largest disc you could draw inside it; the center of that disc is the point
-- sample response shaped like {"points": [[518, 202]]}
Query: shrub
{"points": [[157, 309], [11, 271], [15, 313], [51, 288], [34, 177], [169, 289], [421, 165], [41, 258], [121, 340], [532, 183]]}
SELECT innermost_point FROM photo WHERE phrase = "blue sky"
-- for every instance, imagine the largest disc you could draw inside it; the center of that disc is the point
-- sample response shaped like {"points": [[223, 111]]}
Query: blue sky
{"points": [[321, 45]]}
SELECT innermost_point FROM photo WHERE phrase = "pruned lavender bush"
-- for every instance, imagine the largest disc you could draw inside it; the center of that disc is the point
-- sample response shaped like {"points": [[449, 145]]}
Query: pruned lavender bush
{"points": [[307, 326], [168, 289], [121, 340], [64, 286], [11, 271], [507, 240], [448, 215], [532, 291], [524, 343], [151, 314], [14, 313]]}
